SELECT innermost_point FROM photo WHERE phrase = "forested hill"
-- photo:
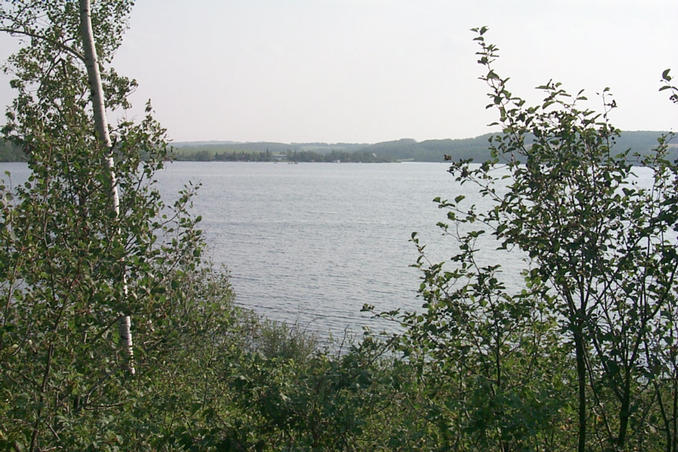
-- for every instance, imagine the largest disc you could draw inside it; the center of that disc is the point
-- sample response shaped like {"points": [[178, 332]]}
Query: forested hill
{"points": [[387, 151]]}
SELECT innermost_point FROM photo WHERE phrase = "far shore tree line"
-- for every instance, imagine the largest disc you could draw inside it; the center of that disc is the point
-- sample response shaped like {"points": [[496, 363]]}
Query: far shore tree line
{"points": [[476, 149]]}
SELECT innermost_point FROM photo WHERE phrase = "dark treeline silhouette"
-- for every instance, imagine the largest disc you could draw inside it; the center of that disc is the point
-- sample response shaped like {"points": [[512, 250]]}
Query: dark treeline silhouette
{"points": [[475, 149]]}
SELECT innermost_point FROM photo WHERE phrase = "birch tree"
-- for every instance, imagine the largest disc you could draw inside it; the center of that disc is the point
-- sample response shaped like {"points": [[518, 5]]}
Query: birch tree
{"points": [[86, 243], [101, 124]]}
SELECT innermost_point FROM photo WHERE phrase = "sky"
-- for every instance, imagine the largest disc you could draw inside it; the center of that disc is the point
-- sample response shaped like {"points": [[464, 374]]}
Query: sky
{"points": [[376, 70]]}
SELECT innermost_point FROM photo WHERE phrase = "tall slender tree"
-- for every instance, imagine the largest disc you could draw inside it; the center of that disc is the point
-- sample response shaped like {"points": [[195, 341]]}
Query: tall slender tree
{"points": [[86, 243], [101, 124], [23, 19]]}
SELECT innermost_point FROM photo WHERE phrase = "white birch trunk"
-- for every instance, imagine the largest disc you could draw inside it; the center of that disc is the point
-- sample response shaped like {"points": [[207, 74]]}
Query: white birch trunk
{"points": [[101, 125]]}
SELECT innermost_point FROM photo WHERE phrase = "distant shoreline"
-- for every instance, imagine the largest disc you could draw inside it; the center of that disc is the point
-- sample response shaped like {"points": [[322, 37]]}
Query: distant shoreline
{"points": [[404, 149]]}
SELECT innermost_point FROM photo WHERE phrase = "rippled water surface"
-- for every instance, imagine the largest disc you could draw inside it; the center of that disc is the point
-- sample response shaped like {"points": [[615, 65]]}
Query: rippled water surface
{"points": [[311, 243]]}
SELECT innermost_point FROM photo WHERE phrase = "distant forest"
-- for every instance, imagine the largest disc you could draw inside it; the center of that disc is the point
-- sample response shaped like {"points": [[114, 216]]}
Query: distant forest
{"points": [[388, 151]]}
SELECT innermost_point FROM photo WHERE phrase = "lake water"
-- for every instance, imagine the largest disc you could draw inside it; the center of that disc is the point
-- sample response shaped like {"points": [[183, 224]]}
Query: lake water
{"points": [[310, 243]]}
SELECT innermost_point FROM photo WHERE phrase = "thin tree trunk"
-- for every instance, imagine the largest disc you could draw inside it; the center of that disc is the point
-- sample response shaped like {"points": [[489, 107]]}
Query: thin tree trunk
{"points": [[41, 400], [101, 125], [581, 379], [624, 411]]}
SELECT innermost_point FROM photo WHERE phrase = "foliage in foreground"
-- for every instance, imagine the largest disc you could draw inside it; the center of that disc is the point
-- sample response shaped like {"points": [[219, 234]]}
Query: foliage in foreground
{"points": [[581, 355]]}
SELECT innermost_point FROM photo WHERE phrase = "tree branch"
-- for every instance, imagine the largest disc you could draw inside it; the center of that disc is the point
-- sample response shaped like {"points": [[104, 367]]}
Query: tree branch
{"points": [[52, 42]]}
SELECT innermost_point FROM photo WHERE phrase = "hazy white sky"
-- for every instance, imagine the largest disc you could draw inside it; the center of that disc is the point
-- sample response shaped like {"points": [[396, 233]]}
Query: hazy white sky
{"points": [[375, 70]]}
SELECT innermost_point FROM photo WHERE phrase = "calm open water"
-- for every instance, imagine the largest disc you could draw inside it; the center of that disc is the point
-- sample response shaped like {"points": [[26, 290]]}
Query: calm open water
{"points": [[310, 243]]}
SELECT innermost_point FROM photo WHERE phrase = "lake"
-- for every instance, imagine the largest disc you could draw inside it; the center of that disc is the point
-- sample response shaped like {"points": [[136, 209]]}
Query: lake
{"points": [[310, 243]]}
